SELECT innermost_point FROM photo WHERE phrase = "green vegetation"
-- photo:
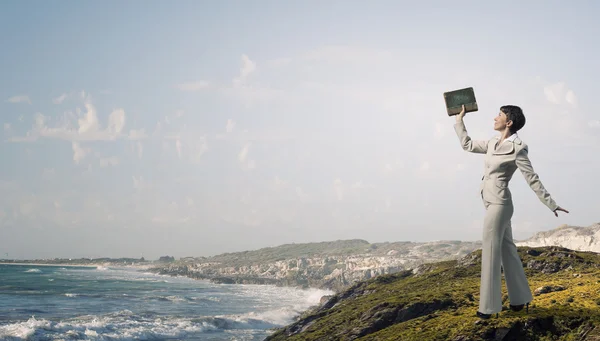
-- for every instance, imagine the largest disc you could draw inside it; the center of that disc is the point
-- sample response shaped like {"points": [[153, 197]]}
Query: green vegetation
{"points": [[338, 248], [293, 251], [333, 265], [438, 302]]}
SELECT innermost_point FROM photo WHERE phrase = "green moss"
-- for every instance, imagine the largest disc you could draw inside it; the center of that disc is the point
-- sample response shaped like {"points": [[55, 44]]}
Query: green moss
{"points": [[439, 302]]}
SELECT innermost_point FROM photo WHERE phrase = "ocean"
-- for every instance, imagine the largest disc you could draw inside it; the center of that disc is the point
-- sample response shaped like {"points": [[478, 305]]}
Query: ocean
{"points": [[84, 303]]}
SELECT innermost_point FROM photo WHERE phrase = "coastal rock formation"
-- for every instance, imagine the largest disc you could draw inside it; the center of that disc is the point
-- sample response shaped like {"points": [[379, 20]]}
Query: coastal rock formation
{"points": [[571, 237], [329, 265], [338, 264], [439, 303]]}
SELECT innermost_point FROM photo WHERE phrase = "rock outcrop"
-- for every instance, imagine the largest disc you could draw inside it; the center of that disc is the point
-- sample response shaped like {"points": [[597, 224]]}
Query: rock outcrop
{"points": [[571, 237], [439, 301], [330, 265], [338, 264]]}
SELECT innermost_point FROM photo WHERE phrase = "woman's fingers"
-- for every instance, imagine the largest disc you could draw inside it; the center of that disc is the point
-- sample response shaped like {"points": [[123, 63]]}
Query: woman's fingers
{"points": [[559, 209]]}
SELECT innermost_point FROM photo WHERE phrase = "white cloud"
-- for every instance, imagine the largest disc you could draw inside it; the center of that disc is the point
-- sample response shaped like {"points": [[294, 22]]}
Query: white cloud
{"points": [[559, 93], [81, 127], [250, 92], [230, 125], [79, 153], [247, 68], [19, 99], [116, 121], [594, 124], [110, 161], [89, 122], [570, 97], [243, 158], [60, 99], [193, 86], [240, 87]]}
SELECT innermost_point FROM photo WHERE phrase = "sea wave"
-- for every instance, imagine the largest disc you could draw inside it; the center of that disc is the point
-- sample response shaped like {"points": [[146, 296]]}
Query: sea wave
{"points": [[125, 325], [34, 270]]}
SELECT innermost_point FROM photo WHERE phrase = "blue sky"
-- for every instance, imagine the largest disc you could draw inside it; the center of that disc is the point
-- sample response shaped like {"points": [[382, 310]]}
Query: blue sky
{"points": [[193, 128]]}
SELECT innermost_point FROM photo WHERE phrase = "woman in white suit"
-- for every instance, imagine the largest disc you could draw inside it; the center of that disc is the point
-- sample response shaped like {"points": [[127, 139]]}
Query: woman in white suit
{"points": [[503, 155]]}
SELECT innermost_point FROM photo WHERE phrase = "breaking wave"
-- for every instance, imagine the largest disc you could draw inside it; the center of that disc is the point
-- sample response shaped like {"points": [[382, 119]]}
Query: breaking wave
{"points": [[125, 325]]}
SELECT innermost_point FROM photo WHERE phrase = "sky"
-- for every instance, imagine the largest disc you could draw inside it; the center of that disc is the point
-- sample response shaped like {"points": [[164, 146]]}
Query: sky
{"points": [[193, 128]]}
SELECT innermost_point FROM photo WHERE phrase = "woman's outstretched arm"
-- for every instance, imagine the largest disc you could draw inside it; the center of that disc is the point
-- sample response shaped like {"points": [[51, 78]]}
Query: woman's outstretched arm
{"points": [[524, 164], [467, 144]]}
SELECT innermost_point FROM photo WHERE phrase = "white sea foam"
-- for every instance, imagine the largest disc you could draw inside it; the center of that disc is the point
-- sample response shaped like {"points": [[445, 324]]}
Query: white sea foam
{"points": [[272, 307], [34, 270], [125, 325]]}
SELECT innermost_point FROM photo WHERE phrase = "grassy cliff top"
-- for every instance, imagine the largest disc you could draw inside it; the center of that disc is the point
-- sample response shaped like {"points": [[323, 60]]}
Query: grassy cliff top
{"points": [[438, 302], [437, 249], [291, 251]]}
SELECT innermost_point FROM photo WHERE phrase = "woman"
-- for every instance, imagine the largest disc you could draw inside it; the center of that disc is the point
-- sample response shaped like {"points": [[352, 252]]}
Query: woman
{"points": [[503, 155]]}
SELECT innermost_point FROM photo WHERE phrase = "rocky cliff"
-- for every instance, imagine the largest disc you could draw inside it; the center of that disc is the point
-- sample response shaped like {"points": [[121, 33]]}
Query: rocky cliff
{"points": [[438, 301], [338, 264], [331, 265], [571, 237]]}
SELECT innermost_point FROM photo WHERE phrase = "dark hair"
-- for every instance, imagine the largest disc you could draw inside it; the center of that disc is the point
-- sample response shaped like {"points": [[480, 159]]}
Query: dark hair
{"points": [[514, 114]]}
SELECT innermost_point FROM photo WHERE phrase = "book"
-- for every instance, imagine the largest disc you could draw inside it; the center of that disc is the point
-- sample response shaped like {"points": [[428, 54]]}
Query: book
{"points": [[456, 98]]}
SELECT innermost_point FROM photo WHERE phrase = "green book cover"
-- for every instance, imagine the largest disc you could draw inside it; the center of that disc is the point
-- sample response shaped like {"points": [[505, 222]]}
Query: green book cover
{"points": [[456, 98]]}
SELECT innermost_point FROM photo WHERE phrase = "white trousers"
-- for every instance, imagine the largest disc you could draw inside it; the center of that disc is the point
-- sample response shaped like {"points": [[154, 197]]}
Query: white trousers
{"points": [[499, 249]]}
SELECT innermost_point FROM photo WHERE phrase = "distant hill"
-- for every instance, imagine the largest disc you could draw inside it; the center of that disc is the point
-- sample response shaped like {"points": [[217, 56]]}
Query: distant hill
{"points": [[331, 265], [338, 264]]}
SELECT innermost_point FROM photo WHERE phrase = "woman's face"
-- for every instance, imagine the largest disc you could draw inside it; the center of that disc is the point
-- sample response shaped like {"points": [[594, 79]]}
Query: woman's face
{"points": [[500, 121]]}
